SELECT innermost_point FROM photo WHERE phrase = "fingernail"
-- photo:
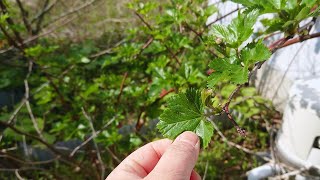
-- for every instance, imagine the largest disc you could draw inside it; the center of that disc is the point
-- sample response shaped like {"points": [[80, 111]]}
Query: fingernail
{"points": [[189, 137]]}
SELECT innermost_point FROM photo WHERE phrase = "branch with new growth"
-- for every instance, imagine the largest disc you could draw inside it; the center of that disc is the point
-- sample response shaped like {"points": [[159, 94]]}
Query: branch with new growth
{"points": [[235, 62]]}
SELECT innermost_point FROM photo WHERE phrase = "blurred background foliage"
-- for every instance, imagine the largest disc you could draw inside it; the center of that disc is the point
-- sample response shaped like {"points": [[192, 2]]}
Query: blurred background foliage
{"points": [[111, 64]]}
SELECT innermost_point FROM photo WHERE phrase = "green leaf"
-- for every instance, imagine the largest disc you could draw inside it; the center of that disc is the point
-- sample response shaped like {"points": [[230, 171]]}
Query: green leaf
{"points": [[254, 52], [3, 18], [224, 33], [276, 3], [243, 24], [240, 29], [291, 4], [303, 14], [185, 112], [210, 10], [85, 60], [224, 70]]}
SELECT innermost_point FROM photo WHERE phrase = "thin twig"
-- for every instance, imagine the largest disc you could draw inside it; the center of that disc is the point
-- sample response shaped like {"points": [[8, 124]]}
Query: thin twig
{"points": [[107, 51], [53, 149], [10, 22], [24, 15], [232, 143], [43, 11], [41, 17], [33, 119], [11, 41], [125, 75], [94, 133], [289, 174], [166, 46], [300, 39], [206, 170], [113, 155], [5, 155], [224, 16], [45, 33], [225, 108], [273, 48], [71, 11], [21, 169], [16, 172], [91, 137]]}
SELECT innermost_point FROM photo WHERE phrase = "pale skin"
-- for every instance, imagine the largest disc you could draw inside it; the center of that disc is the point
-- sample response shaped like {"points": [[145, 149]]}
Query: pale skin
{"points": [[162, 159]]}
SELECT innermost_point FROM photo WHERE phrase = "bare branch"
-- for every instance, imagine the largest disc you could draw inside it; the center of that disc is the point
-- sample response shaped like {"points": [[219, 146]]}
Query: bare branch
{"points": [[9, 156], [107, 51], [222, 17], [232, 143], [113, 155], [33, 38], [10, 22], [92, 137], [10, 39], [34, 121], [18, 175], [41, 17], [45, 10], [289, 174], [71, 11], [205, 171], [94, 133], [125, 75], [21, 169], [166, 46], [66, 160], [300, 39], [24, 15]]}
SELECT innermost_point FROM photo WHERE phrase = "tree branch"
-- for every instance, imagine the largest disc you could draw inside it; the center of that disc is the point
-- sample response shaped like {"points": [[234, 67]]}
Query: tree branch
{"points": [[10, 22], [33, 119], [94, 133], [24, 15], [273, 48], [71, 11], [222, 17], [300, 39], [125, 75], [150, 28], [41, 17], [66, 160], [92, 137]]}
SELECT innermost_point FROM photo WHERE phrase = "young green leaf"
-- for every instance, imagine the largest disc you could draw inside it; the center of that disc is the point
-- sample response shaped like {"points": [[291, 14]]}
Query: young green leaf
{"points": [[185, 112], [239, 30], [225, 33], [254, 52], [243, 24], [224, 70]]}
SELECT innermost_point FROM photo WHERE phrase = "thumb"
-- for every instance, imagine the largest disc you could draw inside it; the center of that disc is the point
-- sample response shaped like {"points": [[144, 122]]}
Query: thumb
{"points": [[179, 159]]}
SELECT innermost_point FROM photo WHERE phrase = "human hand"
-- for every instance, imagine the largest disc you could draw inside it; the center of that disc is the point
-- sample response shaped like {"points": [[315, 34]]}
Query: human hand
{"points": [[162, 159]]}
